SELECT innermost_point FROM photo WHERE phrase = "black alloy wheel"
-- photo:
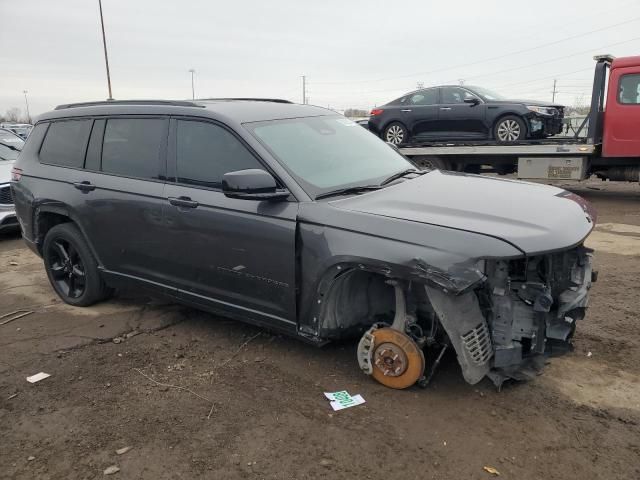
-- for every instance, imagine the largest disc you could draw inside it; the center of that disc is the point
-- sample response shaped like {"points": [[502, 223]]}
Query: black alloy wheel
{"points": [[71, 268]]}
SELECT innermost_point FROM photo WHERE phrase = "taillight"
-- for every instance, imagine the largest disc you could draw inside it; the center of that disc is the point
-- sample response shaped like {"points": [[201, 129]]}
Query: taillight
{"points": [[376, 111], [16, 174]]}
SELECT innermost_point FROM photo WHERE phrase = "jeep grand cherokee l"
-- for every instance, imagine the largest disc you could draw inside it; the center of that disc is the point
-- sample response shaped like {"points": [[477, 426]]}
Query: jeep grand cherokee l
{"points": [[295, 218]]}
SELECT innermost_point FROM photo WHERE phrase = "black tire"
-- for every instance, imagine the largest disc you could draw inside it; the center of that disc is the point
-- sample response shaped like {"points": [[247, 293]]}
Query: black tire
{"points": [[509, 129], [395, 133], [71, 268], [428, 162]]}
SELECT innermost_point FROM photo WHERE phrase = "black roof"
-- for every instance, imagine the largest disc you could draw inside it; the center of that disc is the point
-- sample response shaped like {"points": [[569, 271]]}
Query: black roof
{"points": [[240, 110]]}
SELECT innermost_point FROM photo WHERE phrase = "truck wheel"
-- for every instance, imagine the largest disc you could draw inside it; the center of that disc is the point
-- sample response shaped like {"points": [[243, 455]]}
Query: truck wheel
{"points": [[428, 162], [509, 129], [395, 133]]}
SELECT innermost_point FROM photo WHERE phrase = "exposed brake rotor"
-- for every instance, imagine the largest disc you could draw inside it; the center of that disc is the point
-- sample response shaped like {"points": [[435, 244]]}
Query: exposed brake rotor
{"points": [[397, 362]]}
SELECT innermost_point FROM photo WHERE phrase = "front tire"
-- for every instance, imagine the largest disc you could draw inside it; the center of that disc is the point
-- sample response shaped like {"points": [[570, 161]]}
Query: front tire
{"points": [[71, 268], [395, 133], [509, 129]]}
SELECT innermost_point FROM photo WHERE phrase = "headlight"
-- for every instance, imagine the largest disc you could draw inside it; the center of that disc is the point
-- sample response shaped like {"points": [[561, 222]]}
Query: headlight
{"points": [[540, 110]]}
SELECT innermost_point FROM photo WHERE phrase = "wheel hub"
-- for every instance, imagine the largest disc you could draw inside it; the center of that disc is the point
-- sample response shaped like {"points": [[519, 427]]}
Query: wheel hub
{"points": [[390, 359], [396, 360]]}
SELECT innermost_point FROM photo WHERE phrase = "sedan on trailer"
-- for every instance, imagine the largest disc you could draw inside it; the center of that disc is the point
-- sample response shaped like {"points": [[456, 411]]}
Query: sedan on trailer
{"points": [[463, 113]]}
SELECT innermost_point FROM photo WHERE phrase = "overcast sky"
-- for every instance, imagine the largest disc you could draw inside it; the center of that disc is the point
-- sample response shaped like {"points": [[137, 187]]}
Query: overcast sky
{"points": [[355, 53]]}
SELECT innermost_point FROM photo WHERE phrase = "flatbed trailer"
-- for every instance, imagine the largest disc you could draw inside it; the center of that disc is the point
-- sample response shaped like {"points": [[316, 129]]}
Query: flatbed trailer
{"points": [[606, 144]]}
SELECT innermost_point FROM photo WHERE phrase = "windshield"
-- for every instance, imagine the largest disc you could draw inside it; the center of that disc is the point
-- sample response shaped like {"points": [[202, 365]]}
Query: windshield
{"points": [[487, 94], [10, 145], [328, 153]]}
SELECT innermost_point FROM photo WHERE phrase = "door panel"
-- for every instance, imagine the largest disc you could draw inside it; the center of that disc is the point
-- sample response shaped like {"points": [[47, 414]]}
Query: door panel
{"points": [[238, 255], [622, 114], [122, 215], [457, 119], [421, 113]]}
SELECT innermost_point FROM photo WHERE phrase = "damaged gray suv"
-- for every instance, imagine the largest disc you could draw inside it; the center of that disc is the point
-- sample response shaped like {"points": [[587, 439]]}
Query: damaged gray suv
{"points": [[296, 219]]}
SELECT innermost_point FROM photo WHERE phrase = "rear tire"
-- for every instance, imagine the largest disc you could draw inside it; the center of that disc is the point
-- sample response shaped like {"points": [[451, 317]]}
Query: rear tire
{"points": [[429, 162], [509, 129], [395, 133], [71, 268]]}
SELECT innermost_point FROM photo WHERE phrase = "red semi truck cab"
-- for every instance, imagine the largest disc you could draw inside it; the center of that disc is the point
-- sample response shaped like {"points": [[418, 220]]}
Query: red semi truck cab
{"points": [[621, 135]]}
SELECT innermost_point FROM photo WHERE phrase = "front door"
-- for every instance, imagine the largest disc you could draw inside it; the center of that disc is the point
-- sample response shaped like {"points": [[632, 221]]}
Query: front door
{"points": [[622, 114], [230, 254], [460, 120]]}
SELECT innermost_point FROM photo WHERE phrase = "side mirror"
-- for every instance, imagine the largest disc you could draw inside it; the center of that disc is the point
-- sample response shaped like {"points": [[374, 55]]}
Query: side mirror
{"points": [[252, 184], [472, 100]]}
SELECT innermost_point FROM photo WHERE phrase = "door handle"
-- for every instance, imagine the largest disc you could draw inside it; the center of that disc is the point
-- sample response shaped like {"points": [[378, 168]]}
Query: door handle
{"points": [[184, 202], [84, 187], [445, 108], [406, 110]]}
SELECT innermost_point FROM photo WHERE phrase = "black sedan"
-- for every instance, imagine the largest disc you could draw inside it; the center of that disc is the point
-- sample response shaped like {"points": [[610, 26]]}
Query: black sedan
{"points": [[463, 113]]}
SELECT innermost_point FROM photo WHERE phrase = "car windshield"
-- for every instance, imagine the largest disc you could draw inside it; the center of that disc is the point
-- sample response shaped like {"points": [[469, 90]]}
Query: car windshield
{"points": [[487, 94], [328, 153], [10, 145]]}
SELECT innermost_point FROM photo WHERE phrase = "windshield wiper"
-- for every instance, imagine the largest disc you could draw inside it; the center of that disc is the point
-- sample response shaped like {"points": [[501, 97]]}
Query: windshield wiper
{"points": [[349, 190], [12, 147], [398, 175]]}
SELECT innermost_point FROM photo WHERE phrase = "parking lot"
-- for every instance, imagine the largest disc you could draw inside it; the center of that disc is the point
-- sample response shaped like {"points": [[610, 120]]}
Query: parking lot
{"points": [[251, 404]]}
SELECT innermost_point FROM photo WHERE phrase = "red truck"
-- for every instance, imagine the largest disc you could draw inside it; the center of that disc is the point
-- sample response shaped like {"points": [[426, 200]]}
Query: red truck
{"points": [[610, 149]]}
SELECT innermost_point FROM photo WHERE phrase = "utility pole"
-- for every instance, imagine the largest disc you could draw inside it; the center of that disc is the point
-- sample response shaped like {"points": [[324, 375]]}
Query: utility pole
{"points": [[106, 57], [193, 90], [304, 89], [26, 102], [553, 98]]}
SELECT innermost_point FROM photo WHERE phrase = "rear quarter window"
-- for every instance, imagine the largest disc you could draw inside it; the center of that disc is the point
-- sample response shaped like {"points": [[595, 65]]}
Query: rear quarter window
{"points": [[65, 143]]}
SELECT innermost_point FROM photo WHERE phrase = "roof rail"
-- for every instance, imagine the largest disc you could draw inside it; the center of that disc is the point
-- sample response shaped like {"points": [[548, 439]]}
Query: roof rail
{"points": [[176, 103], [249, 99]]}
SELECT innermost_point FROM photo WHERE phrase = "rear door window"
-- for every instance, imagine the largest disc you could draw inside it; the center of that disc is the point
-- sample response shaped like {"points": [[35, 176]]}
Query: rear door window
{"points": [[205, 152], [66, 142], [425, 97], [132, 147]]}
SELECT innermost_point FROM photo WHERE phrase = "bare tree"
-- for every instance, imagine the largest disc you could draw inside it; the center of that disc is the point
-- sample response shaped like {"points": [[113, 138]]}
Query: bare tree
{"points": [[13, 114]]}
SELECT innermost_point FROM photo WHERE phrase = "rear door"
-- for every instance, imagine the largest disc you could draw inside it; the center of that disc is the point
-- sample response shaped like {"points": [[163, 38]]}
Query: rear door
{"points": [[122, 192], [420, 113], [229, 254], [460, 120]]}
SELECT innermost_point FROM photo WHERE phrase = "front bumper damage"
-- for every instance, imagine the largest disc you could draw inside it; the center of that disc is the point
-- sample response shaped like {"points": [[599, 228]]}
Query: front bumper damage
{"points": [[544, 125], [526, 309]]}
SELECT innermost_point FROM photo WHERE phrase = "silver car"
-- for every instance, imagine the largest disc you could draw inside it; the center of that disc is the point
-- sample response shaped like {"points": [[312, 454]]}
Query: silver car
{"points": [[10, 146]]}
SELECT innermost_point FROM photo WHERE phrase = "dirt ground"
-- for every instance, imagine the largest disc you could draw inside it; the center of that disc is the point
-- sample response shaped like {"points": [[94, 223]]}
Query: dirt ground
{"points": [[251, 404]]}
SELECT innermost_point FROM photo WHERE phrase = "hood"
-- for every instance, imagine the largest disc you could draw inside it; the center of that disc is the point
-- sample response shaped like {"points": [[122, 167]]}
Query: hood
{"points": [[5, 171], [534, 218]]}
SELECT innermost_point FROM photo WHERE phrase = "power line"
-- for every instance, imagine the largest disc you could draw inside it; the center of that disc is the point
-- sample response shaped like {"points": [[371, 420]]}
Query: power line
{"points": [[554, 59], [498, 57]]}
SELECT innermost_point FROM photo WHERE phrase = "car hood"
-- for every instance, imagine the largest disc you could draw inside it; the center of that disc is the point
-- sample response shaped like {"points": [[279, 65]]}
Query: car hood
{"points": [[5, 170], [532, 217]]}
